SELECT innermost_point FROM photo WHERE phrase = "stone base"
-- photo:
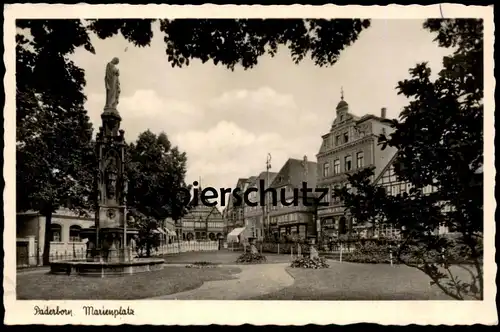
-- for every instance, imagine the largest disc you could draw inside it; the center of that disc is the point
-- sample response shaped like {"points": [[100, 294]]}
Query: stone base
{"points": [[105, 269]]}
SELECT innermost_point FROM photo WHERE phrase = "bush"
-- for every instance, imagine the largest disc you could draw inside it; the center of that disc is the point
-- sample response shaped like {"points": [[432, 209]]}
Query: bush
{"points": [[373, 252], [370, 253], [248, 257], [308, 263]]}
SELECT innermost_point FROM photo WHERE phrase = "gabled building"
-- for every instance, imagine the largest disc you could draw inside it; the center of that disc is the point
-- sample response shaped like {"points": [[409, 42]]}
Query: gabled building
{"points": [[289, 216], [202, 223], [350, 145], [233, 214], [388, 180]]}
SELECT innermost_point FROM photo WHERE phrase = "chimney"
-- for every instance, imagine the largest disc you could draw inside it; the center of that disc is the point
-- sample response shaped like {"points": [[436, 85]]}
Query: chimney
{"points": [[383, 112]]}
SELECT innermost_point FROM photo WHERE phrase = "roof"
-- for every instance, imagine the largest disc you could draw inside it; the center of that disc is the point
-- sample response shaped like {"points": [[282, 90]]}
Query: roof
{"points": [[367, 117], [205, 213], [293, 173], [342, 104], [241, 181], [262, 176], [386, 167]]}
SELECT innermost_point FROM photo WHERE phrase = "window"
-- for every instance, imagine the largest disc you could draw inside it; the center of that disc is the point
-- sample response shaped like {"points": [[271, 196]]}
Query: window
{"points": [[346, 137], [336, 166], [395, 190], [74, 233], [337, 140], [341, 118], [326, 169], [326, 198], [55, 231], [360, 162], [348, 163]]}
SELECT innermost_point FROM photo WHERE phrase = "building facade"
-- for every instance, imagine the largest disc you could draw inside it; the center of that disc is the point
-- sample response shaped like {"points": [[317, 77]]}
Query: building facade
{"points": [[255, 216], [349, 146], [293, 218], [64, 234], [202, 223], [388, 180]]}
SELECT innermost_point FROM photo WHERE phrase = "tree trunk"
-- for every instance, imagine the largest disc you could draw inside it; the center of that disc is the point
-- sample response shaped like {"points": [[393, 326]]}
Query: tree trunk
{"points": [[48, 236], [148, 249]]}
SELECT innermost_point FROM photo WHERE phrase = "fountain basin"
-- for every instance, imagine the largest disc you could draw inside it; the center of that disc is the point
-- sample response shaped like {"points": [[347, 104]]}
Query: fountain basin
{"points": [[105, 269]]}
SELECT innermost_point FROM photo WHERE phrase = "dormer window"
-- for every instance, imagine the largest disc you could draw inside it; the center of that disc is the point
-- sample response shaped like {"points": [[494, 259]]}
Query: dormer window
{"points": [[346, 137], [341, 118]]}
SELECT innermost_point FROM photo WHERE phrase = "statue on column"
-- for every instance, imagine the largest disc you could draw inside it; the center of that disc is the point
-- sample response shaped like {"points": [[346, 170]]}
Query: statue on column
{"points": [[112, 83]]}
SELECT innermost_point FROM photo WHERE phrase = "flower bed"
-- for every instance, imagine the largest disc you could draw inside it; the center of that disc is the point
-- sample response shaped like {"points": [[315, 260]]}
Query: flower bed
{"points": [[308, 263], [250, 258], [202, 265]]}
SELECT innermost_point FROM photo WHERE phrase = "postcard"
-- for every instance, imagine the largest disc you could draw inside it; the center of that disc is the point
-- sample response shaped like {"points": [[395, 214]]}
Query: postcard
{"points": [[195, 165]]}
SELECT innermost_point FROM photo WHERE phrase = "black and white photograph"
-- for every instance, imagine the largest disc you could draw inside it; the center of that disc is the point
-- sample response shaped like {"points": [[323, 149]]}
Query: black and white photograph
{"points": [[245, 164]]}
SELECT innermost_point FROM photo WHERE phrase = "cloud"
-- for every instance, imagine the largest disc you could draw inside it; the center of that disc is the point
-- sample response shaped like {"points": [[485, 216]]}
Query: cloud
{"points": [[227, 137], [225, 152], [263, 110], [145, 109]]}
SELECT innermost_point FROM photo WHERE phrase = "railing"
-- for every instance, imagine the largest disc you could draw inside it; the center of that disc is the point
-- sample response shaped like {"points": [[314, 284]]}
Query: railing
{"points": [[287, 248], [78, 251], [66, 247], [25, 260], [185, 246]]}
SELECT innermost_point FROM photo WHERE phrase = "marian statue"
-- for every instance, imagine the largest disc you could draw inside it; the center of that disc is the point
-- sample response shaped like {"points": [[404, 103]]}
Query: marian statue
{"points": [[112, 83], [111, 177]]}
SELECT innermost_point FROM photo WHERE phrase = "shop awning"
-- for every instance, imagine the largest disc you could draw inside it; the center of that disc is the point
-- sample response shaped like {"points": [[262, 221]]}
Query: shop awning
{"points": [[233, 235], [171, 232]]}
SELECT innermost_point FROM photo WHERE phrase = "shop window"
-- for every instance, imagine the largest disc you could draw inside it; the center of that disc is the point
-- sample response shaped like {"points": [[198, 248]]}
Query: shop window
{"points": [[55, 233], [74, 233]]}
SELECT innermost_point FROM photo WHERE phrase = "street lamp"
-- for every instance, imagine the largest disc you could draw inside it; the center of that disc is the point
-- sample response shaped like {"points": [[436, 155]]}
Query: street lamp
{"points": [[268, 167]]}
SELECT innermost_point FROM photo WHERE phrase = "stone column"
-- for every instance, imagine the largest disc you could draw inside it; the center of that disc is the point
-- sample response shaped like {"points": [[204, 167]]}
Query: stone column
{"points": [[31, 250]]}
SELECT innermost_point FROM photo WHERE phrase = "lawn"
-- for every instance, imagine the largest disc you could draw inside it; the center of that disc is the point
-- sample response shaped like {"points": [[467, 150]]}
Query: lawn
{"points": [[219, 257], [351, 281], [170, 280]]}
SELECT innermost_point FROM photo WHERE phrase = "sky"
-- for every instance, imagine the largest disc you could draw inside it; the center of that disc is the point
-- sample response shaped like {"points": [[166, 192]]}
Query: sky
{"points": [[228, 121]]}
